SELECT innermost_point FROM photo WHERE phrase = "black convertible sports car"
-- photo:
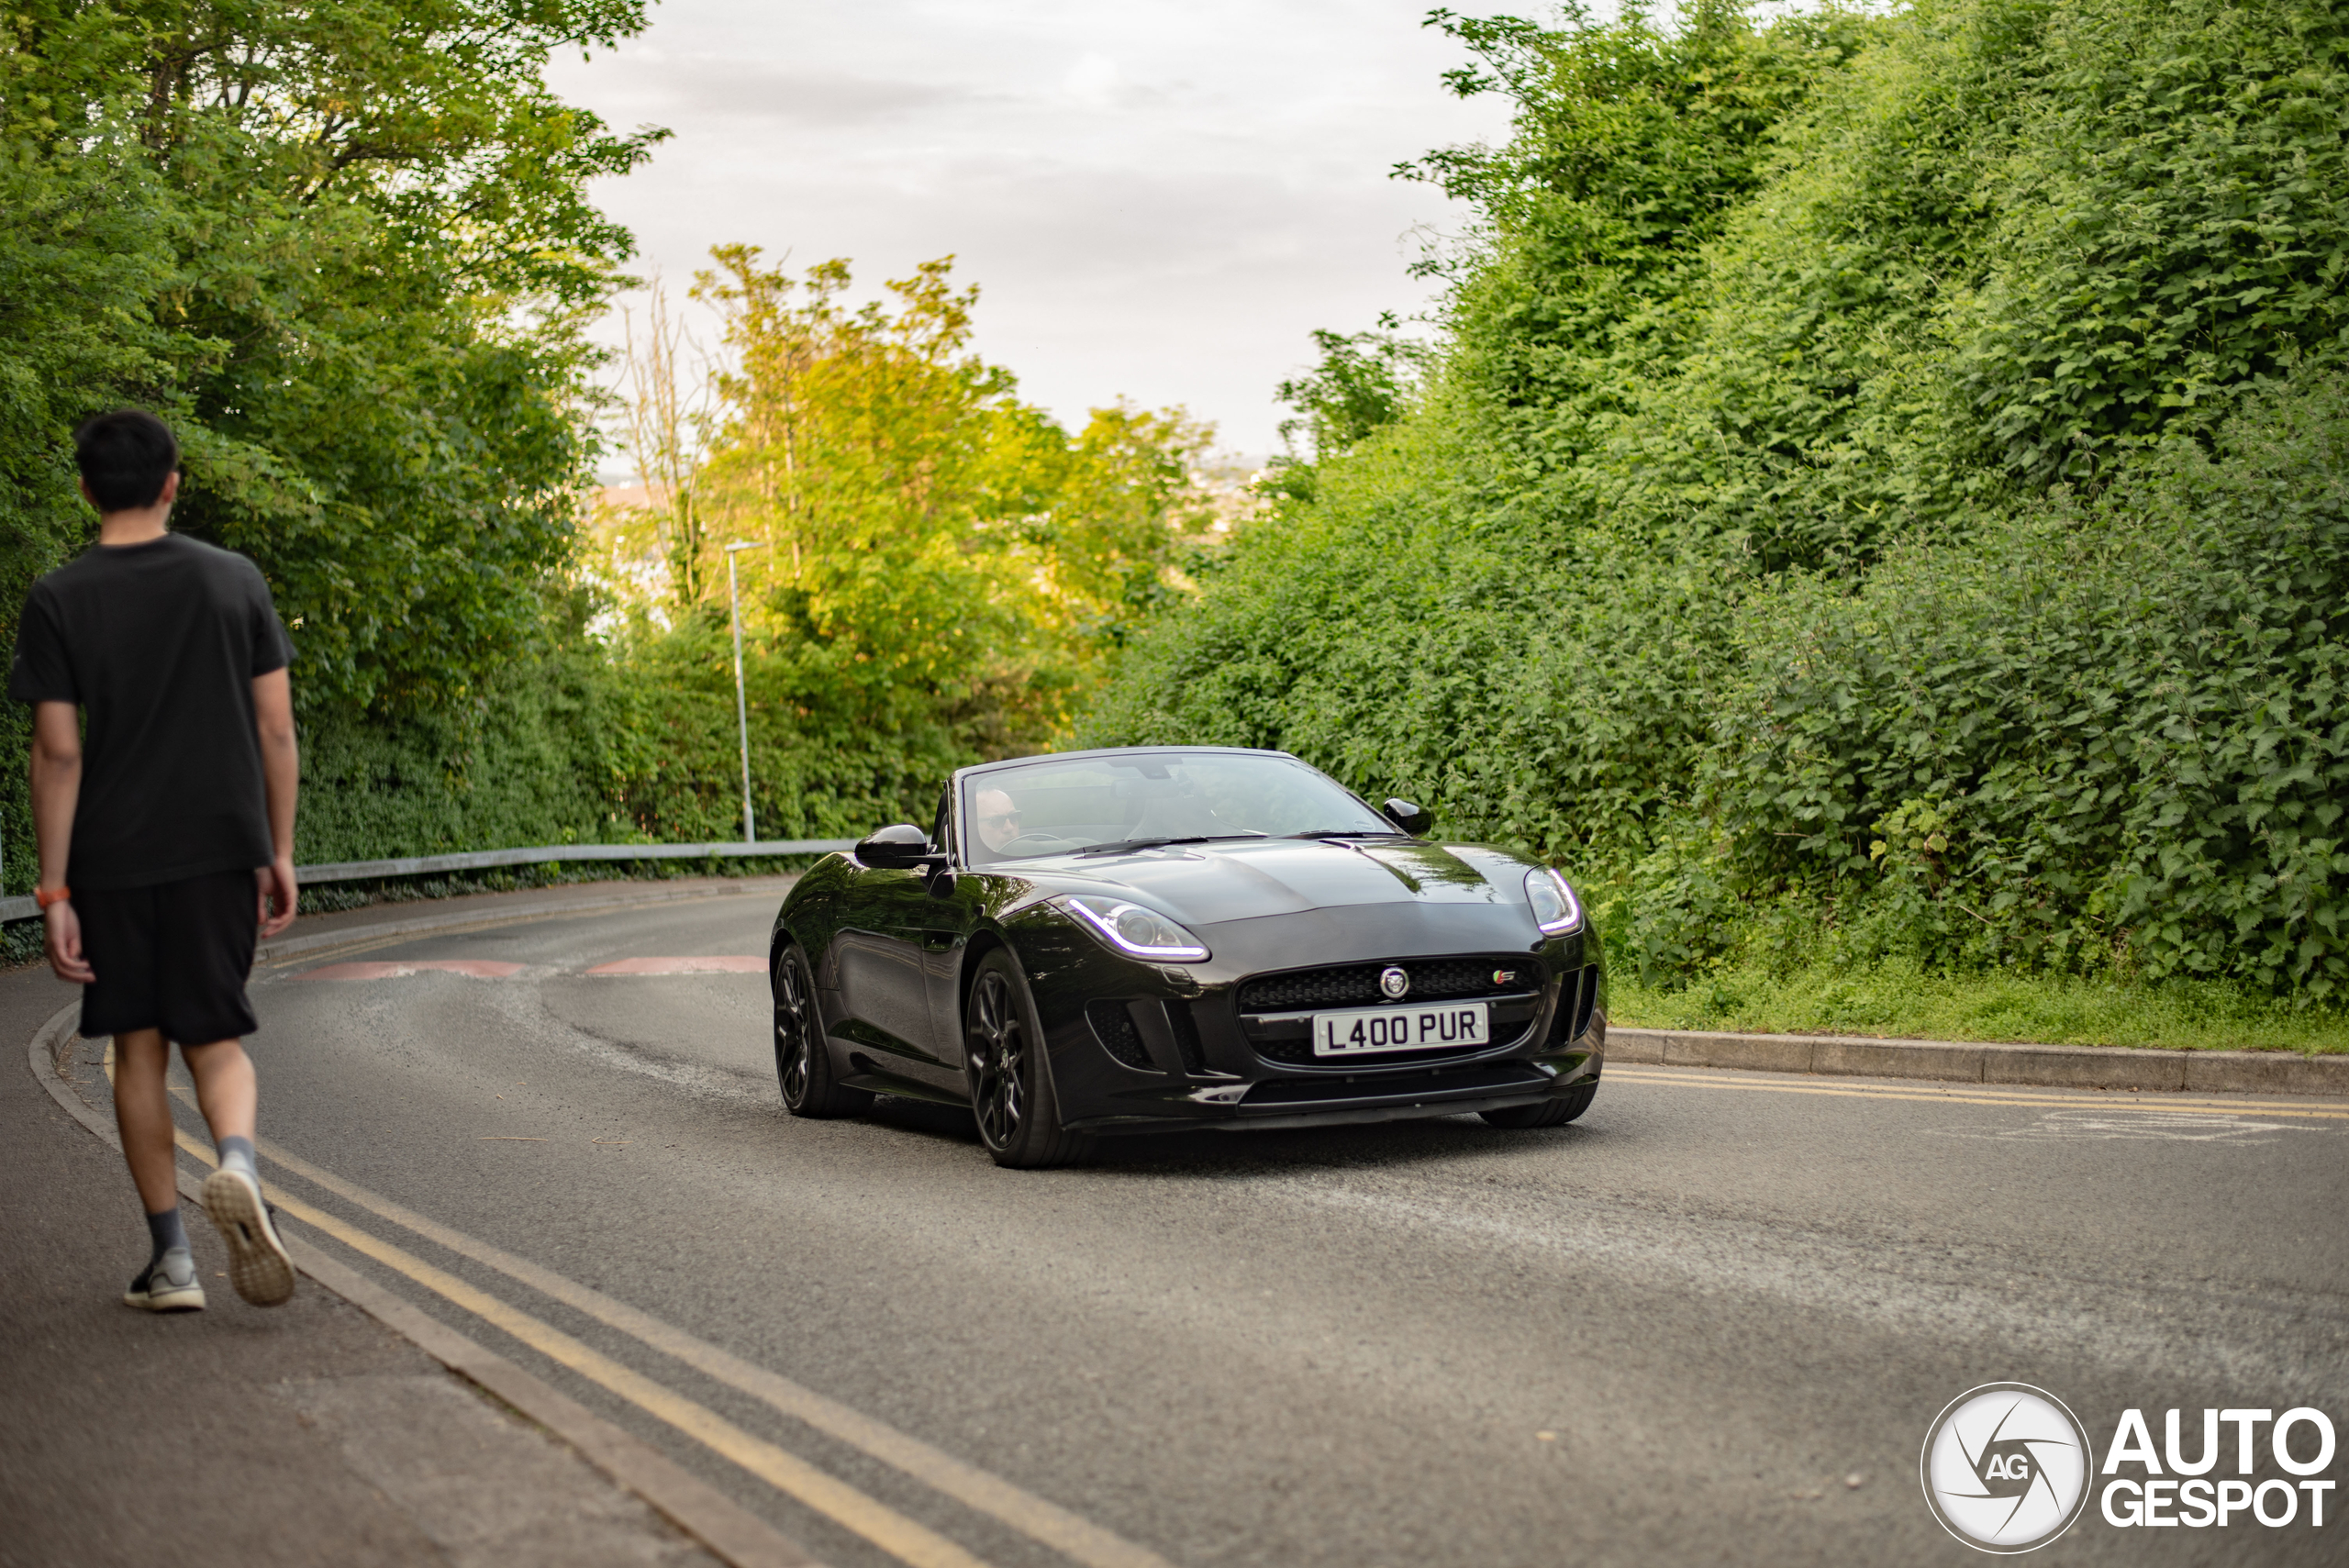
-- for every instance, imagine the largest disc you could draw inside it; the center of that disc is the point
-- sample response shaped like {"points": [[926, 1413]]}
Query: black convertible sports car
{"points": [[1155, 938]]}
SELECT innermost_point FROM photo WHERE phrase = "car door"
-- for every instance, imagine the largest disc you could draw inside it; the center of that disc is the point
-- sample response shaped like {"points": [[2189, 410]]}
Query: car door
{"points": [[878, 954], [956, 908]]}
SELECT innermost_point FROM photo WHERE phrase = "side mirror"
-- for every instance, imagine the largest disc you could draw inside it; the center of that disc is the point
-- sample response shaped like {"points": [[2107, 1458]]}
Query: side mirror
{"points": [[1410, 817], [900, 847]]}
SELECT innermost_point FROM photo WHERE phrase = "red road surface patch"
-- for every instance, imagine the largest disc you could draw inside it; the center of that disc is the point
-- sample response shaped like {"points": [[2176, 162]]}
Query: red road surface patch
{"points": [[479, 968], [730, 963]]}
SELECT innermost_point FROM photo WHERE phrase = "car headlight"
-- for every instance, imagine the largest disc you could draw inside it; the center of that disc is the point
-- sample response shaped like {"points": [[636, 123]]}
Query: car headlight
{"points": [[1556, 909], [1134, 929]]}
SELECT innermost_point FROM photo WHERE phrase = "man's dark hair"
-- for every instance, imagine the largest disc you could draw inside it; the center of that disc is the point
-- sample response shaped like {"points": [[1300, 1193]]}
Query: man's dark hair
{"points": [[124, 457]]}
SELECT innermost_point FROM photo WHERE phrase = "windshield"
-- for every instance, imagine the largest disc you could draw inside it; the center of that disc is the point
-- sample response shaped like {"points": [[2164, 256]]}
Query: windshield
{"points": [[1136, 798]]}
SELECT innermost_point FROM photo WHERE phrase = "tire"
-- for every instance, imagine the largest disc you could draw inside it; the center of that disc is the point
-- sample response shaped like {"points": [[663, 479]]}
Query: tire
{"points": [[1543, 1113], [803, 1067], [1011, 1085]]}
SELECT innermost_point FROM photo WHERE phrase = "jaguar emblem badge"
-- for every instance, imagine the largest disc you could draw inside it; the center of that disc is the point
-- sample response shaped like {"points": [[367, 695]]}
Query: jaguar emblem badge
{"points": [[1394, 982]]}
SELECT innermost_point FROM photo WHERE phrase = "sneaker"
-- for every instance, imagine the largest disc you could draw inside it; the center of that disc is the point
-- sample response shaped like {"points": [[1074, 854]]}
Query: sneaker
{"points": [[258, 1265], [169, 1284]]}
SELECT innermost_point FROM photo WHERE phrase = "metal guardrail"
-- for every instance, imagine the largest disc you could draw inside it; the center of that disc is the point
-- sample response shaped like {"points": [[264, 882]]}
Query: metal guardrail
{"points": [[535, 855]]}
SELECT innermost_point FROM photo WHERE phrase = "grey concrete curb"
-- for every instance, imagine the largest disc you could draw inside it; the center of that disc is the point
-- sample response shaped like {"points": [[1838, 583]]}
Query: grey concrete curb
{"points": [[727, 1530], [1969, 1062]]}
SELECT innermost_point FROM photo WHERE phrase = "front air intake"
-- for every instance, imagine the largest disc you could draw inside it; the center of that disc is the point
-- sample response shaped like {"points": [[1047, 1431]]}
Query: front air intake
{"points": [[1114, 1027], [1186, 1031]]}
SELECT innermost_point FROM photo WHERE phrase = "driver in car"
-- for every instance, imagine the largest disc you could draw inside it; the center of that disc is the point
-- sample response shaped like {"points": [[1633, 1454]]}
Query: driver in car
{"points": [[998, 819]]}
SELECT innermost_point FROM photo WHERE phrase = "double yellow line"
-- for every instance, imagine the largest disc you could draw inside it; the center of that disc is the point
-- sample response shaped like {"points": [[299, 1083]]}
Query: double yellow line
{"points": [[905, 1539]]}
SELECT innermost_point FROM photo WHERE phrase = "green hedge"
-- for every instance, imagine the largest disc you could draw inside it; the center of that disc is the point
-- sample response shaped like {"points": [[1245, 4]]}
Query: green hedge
{"points": [[1949, 461]]}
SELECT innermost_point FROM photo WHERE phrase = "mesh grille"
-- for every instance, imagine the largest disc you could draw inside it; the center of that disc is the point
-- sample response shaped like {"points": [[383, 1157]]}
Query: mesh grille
{"points": [[1186, 1038], [1114, 1026], [1432, 980]]}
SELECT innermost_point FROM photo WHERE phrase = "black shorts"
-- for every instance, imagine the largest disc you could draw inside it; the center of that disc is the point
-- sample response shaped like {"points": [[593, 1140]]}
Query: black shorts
{"points": [[172, 957]]}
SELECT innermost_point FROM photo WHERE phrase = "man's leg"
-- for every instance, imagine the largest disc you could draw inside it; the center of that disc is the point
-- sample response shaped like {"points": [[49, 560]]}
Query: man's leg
{"points": [[227, 1093], [204, 953], [226, 1090], [143, 1111]]}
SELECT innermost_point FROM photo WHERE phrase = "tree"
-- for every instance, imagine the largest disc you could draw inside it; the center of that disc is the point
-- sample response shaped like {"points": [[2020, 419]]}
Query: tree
{"points": [[939, 551], [1363, 383], [346, 248]]}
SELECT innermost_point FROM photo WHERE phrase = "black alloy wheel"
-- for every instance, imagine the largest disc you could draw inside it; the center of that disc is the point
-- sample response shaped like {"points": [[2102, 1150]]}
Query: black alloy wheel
{"points": [[803, 1067], [1544, 1113], [1011, 1085]]}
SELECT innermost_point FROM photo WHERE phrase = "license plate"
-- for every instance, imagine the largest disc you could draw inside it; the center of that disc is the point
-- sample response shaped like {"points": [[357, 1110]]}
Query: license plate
{"points": [[1362, 1030]]}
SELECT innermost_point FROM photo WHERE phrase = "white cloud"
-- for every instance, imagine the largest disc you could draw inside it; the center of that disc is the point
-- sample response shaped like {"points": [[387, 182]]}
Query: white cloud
{"points": [[1158, 199], [1093, 81]]}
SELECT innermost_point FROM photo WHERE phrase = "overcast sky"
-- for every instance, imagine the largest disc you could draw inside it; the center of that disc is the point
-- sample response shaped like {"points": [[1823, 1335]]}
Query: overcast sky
{"points": [[1160, 198]]}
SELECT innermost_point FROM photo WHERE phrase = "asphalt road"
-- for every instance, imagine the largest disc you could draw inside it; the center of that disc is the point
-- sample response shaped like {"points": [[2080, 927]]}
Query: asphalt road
{"points": [[1708, 1323]]}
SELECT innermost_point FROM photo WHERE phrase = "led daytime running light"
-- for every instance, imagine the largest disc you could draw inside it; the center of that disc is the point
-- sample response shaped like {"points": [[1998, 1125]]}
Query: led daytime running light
{"points": [[1556, 909], [1134, 929]]}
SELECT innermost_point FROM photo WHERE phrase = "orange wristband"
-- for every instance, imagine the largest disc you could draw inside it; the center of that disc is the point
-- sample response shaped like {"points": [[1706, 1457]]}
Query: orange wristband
{"points": [[46, 897]]}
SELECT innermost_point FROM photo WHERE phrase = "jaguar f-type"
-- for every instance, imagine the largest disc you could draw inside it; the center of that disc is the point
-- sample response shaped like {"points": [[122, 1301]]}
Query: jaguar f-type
{"points": [[1156, 939]]}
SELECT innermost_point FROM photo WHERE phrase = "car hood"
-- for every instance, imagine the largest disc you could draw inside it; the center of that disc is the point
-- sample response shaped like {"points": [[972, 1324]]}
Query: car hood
{"points": [[1209, 884]]}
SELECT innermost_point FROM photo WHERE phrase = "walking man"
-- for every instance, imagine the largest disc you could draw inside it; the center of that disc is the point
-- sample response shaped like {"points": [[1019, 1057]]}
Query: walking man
{"points": [[171, 816]]}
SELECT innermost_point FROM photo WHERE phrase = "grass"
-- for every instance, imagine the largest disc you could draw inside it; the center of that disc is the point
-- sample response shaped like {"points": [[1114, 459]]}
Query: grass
{"points": [[1905, 1001]]}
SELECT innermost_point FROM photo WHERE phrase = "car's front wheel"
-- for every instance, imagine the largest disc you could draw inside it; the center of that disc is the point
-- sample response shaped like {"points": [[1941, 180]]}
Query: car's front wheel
{"points": [[1544, 1113], [1011, 1085], [803, 1067]]}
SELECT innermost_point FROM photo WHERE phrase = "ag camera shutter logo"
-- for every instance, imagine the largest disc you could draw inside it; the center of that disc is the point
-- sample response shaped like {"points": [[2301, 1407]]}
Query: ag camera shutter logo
{"points": [[2006, 1467]]}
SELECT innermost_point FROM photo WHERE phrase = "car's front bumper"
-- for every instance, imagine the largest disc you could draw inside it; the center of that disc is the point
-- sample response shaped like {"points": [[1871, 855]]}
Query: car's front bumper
{"points": [[1213, 1077]]}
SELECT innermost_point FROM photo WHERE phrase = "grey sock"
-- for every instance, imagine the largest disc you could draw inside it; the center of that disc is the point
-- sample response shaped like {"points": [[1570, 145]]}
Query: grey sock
{"points": [[237, 1154], [167, 1232]]}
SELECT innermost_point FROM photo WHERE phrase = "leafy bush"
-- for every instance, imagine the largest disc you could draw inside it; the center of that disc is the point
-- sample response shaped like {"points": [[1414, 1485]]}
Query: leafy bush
{"points": [[1879, 500], [2121, 717]]}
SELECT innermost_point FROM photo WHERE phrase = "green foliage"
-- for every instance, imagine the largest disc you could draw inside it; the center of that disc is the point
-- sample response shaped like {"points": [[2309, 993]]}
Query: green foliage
{"points": [[937, 571], [1878, 502], [1901, 997], [1362, 384], [355, 248], [2129, 715], [346, 248]]}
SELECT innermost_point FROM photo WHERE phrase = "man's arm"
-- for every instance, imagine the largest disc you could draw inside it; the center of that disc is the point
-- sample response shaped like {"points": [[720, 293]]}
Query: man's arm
{"points": [[281, 772], [57, 791]]}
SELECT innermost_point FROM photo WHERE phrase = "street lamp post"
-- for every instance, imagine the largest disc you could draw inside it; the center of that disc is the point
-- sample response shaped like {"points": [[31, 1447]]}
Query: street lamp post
{"points": [[741, 706]]}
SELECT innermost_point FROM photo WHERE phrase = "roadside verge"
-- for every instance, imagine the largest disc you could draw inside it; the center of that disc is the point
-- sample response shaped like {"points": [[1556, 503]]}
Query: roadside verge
{"points": [[1972, 1061]]}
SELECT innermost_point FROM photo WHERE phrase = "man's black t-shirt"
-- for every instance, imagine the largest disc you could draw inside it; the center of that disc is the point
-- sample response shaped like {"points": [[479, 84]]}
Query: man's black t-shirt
{"points": [[159, 643]]}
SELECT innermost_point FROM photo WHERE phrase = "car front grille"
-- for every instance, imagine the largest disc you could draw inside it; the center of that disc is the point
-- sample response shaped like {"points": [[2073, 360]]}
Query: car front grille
{"points": [[1511, 981], [1356, 985]]}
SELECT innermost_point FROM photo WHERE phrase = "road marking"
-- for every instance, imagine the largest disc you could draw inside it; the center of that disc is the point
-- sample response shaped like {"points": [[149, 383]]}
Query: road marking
{"points": [[2105, 1123], [786, 1473], [1056, 1527], [479, 968], [736, 963], [1070, 1534], [2164, 1104]]}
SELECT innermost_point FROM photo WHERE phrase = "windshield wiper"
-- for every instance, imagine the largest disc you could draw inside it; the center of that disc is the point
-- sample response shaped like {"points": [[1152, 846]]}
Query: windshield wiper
{"points": [[1122, 845], [1350, 833]]}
